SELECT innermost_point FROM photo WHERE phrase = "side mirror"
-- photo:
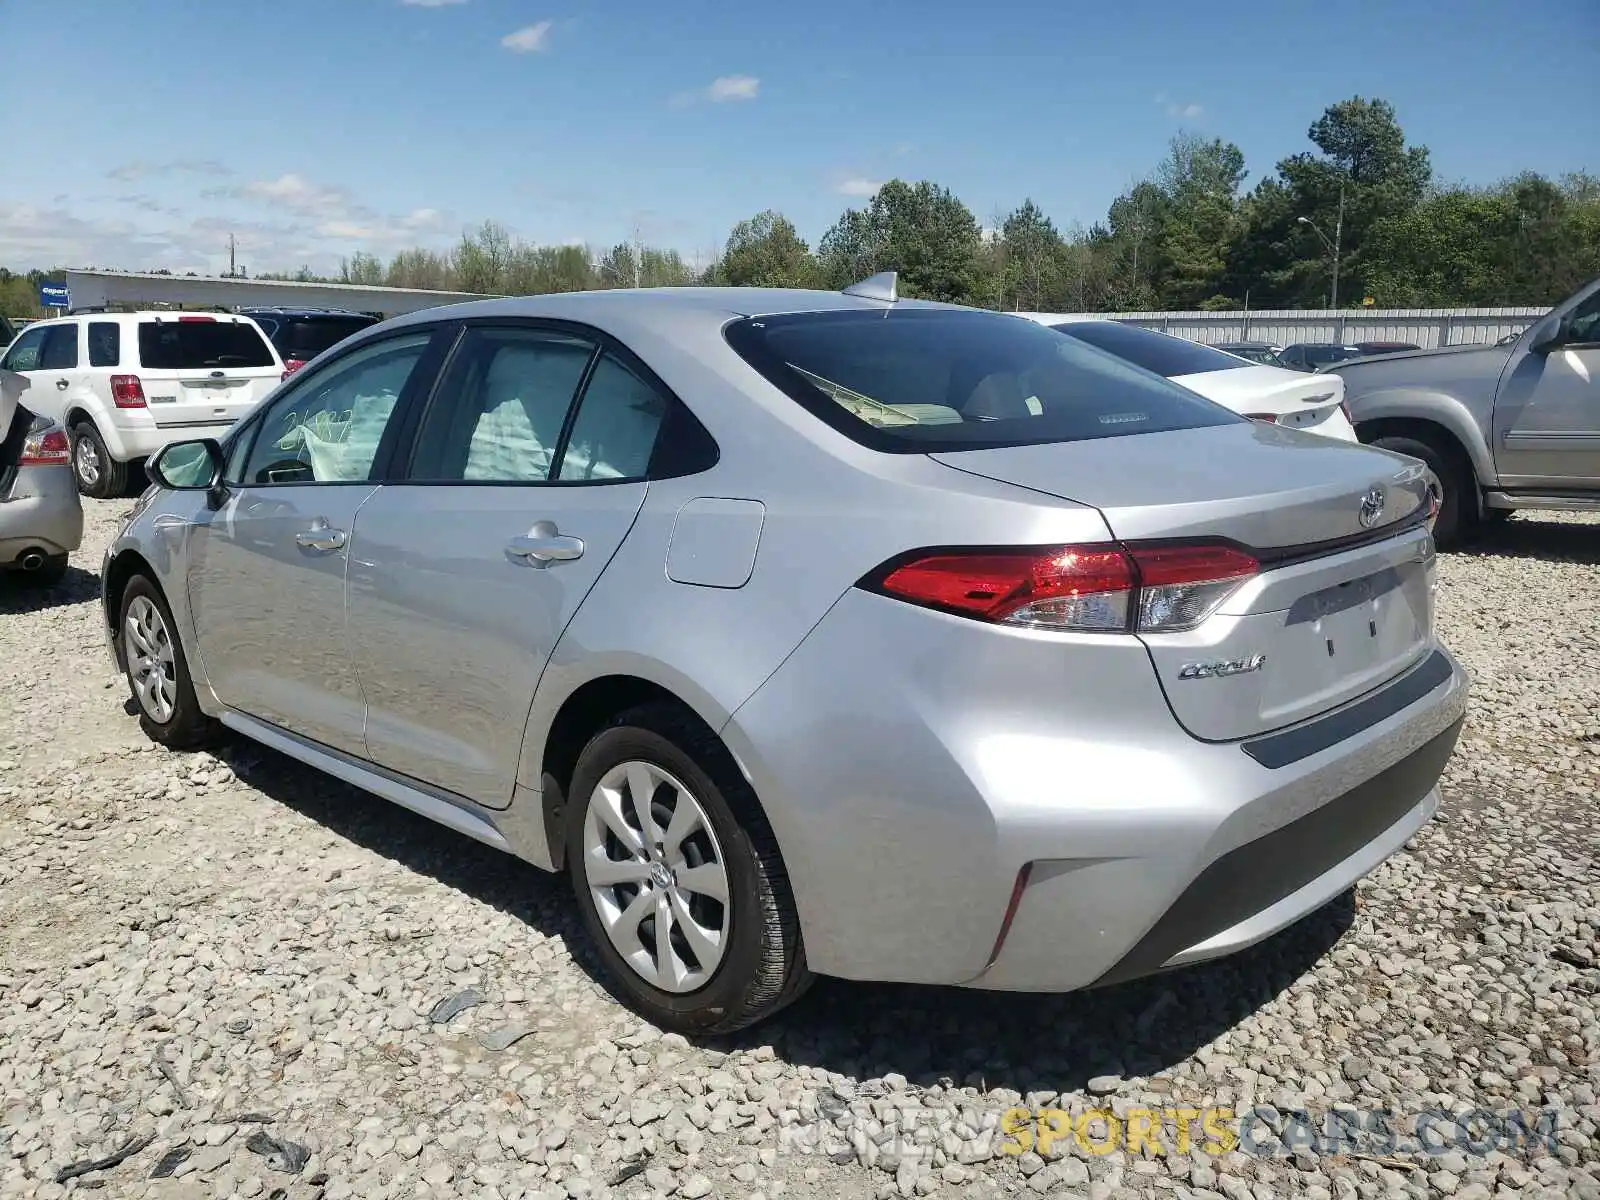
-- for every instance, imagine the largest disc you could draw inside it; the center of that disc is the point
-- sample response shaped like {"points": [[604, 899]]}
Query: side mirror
{"points": [[188, 466], [1550, 334]]}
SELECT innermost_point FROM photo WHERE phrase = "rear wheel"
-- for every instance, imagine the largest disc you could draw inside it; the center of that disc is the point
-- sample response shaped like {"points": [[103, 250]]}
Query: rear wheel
{"points": [[679, 879], [158, 671], [98, 474], [1449, 479]]}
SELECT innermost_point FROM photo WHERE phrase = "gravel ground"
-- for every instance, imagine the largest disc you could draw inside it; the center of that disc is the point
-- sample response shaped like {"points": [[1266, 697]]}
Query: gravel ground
{"points": [[230, 966]]}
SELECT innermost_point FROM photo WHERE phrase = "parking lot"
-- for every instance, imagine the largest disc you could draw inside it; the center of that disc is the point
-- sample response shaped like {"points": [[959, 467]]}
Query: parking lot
{"points": [[245, 972]]}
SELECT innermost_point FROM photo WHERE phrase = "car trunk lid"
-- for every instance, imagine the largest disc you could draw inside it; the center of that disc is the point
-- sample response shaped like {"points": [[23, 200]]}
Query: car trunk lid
{"points": [[1342, 602], [204, 370]]}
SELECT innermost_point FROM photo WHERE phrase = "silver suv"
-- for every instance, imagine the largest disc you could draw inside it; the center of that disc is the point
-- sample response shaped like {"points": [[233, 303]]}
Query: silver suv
{"points": [[812, 632]]}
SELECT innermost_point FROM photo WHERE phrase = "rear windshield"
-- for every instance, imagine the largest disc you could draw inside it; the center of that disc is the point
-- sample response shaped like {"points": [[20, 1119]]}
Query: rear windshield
{"points": [[913, 380], [1166, 356], [304, 338], [189, 345], [1319, 356]]}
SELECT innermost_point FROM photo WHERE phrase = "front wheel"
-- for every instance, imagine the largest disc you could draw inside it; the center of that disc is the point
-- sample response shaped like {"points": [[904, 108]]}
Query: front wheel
{"points": [[99, 475], [158, 670], [1450, 480], [679, 878]]}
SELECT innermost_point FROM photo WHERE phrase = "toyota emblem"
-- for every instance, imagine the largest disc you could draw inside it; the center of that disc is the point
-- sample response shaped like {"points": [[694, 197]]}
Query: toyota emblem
{"points": [[1371, 507]]}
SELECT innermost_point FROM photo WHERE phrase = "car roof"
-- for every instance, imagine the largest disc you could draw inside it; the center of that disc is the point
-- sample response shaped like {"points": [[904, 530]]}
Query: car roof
{"points": [[279, 310]]}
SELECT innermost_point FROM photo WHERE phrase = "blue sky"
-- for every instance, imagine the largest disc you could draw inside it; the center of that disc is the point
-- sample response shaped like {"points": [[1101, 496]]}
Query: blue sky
{"points": [[143, 133]]}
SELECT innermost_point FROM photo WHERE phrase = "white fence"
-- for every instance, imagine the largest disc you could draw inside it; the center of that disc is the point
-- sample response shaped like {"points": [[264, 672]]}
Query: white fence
{"points": [[1425, 327]]}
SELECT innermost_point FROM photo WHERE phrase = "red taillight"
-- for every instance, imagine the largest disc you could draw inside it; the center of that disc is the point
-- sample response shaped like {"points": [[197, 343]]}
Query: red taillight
{"points": [[127, 391], [43, 449], [1269, 418], [1345, 409], [1098, 588], [191, 318], [290, 366]]}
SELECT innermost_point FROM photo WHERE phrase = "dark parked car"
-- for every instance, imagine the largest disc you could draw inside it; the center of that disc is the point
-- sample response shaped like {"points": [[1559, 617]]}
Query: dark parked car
{"points": [[1310, 356], [1264, 353], [1369, 349], [300, 334]]}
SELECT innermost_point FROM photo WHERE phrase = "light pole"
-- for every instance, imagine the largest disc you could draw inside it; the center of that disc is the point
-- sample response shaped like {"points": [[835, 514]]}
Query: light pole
{"points": [[1338, 232]]}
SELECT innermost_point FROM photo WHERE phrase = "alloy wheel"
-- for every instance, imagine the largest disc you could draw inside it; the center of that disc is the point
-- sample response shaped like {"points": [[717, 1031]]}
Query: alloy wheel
{"points": [[151, 663], [87, 461], [656, 876]]}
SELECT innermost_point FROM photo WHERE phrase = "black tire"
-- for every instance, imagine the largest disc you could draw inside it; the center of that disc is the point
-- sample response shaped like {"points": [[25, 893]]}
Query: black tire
{"points": [[763, 967], [111, 477], [1458, 500], [50, 573], [187, 728]]}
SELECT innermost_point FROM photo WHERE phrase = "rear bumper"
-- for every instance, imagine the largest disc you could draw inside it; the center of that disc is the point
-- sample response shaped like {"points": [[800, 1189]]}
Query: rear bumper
{"points": [[40, 511], [131, 439], [913, 764]]}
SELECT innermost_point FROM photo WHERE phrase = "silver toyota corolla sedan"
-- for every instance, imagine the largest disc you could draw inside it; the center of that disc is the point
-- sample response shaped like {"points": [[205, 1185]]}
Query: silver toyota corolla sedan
{"points": [[812, 632]]}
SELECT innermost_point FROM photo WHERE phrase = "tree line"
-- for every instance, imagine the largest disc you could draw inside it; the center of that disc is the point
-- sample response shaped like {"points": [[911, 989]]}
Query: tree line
{"points": [[1189, 235]]}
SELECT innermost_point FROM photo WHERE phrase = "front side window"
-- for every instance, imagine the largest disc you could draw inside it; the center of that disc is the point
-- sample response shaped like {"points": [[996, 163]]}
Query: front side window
{"points": [[105, 343], [1167, 356], [196, 343], [919, 380], [24, 352], [60, 349], [615, 430], [499, 411], [326, 429]]}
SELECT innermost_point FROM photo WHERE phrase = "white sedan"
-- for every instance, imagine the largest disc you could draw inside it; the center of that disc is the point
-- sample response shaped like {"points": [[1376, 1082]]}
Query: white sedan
{"points": [[1314, 403]]}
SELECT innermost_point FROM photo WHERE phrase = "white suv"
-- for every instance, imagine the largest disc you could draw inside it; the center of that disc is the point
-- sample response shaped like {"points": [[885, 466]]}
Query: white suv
{"points": [[125, 384]]}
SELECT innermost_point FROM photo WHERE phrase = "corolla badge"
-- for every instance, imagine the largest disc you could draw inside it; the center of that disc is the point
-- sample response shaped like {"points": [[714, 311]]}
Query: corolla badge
{"points": [[1221, 667], [1371, 507]]}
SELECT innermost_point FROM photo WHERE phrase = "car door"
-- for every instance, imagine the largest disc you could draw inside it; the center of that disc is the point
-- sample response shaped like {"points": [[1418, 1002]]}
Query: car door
{"points": [[24, 357], [267, 567], [1547, 409], [463, 576]]}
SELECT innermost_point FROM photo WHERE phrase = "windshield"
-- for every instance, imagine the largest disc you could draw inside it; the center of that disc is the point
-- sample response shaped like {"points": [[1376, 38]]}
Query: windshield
{"points": [[188, 344], [1166, 356], [919, 380]]}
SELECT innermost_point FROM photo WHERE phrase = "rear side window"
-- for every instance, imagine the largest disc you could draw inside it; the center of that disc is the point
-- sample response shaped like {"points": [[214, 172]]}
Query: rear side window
{"points": [[615, 431], [500, 408], [105, 343], [303, 338], [918, 380], [60, 349], [189, 344], [1165, 355]]}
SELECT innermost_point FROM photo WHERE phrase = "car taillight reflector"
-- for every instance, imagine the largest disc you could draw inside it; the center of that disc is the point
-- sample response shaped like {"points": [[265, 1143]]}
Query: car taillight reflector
{"points": [[127, 391], [196, 318], [1269, 418], [43, 449], [1103, 588], [290, 366]]}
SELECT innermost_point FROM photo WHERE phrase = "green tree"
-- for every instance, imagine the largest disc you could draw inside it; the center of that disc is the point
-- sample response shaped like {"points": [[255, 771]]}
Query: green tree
{"points": [[1030, 252], [920, 230], [766, 251]]}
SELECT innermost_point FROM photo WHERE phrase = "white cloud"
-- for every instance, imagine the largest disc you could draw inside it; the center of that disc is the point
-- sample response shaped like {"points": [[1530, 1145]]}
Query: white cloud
{"points": [[430, 3], [297, 194], [733, 87], [134, 171], [528, 39], [858, 187], [722, 90], [1178, 110]]}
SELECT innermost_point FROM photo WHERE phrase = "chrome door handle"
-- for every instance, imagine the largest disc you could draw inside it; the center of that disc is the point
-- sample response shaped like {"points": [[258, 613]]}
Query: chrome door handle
{"points": [[62, 384], [321, 538], [543, 545]]}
